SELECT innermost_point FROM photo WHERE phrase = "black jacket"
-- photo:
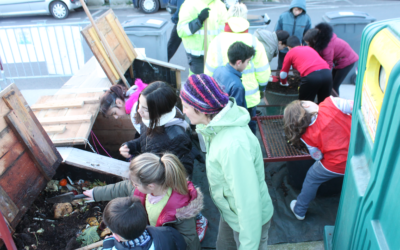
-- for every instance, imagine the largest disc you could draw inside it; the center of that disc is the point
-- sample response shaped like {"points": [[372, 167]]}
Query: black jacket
{"points": [[163, 238], [172, 139]]}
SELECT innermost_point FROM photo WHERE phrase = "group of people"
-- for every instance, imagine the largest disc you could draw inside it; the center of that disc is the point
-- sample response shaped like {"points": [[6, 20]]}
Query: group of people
{"points": [[159, 207]]}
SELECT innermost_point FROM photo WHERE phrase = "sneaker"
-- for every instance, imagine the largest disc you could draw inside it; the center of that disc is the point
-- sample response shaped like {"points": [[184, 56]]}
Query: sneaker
{"points": [[292, 205], [201, 227]]}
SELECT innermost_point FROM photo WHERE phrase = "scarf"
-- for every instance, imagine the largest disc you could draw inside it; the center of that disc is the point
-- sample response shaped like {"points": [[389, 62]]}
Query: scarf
{"points": [[139, 241], [165, 118]]}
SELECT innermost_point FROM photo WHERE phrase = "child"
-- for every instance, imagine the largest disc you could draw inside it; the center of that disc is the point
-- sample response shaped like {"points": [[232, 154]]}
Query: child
{"points": [[127, 219], [325, 130], [235, 167], [163, 128], [335, 51], [296, 22], [230, 76], [117, 101], [160, 184], [273, 41], [316, 78]]}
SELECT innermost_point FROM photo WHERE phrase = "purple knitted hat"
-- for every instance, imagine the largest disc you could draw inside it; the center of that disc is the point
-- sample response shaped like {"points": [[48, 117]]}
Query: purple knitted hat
{"points": [[204, 94]]}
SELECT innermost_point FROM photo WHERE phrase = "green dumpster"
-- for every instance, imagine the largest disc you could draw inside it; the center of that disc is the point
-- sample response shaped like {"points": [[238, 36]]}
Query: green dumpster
{"points": [[368, 215]]}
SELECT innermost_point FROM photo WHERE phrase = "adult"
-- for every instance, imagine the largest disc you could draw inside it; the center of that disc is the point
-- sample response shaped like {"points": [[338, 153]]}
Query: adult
{"points": [[256, 75], [335, 51], [192, 15], [174, 40], [273, 42], [235, 167]]}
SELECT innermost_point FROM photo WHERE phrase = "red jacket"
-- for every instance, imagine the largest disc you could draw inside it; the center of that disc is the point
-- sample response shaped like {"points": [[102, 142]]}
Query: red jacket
{"points": [[304, 59], [330, 133], [338, 53], [178, 206]]}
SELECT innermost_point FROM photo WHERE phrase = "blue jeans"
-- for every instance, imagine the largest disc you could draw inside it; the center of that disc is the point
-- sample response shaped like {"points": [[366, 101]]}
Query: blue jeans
{"points": [[253, 124], [316, 175]]}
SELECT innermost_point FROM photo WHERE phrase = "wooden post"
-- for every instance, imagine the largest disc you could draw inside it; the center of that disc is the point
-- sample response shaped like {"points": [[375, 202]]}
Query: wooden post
{"points": [[106, 46], [205, 40]]}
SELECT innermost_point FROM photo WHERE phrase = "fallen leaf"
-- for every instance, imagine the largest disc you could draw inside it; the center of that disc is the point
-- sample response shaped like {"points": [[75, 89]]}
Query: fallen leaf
{"points": [[89, 236], [92, 221], [105, 232], [40, 231]]}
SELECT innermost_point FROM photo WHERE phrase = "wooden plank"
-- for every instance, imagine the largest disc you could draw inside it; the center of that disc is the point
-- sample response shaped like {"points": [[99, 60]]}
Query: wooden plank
{"points": [[29, 137], [7, 206], [7, 160], [111, 19], [94, 162], [178, 79], [66, 119], [60, 105], [54, 129]]}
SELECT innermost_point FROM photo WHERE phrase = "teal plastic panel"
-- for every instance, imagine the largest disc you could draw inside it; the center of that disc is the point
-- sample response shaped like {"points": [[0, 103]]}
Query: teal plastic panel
{"points": [[369, 209]]}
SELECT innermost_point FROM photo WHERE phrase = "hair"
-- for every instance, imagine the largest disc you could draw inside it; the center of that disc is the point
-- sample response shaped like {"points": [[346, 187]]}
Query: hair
{"points": [[209, 116], [161, 99], [309, 37], [126, 217], [238, 10], [166, 171], [108, 100], [240, 51], [293, 41], [282, 35], [296, 120], [324, 36]]}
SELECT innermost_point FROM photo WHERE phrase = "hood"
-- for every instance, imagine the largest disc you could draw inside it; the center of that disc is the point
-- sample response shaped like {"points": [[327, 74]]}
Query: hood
{"points": [[177, 120], [193, 209], [238, 24], [298, 4], [231, 115], [324, 36]]}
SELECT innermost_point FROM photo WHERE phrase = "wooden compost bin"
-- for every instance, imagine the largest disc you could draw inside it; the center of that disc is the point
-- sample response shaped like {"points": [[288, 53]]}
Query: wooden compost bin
{"points": [[28, 158]]}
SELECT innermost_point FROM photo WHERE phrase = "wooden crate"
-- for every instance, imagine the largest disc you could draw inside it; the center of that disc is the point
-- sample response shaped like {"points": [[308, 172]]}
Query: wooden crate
{"points": [[28, 159], [127, 59]]}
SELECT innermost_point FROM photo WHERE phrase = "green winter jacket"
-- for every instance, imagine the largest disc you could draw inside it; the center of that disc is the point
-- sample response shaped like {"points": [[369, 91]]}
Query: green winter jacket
{"points": [[235, 172]]}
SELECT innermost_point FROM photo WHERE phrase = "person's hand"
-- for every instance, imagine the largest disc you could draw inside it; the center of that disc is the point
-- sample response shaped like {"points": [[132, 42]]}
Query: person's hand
{"points": [[124, 151], [204, 14], [89, 194]]}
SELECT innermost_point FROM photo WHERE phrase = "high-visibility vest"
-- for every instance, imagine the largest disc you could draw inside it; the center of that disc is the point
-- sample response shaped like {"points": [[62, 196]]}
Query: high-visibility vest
{"points": [[189, 11], [257, 72]]}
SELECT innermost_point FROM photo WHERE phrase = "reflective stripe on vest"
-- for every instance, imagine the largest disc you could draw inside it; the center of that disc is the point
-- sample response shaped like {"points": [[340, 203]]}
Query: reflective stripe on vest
{"points": [[251, 92], [194, 52]]}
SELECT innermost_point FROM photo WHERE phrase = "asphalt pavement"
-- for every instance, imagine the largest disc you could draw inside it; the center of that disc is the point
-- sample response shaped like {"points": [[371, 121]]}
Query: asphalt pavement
{"points": [[315, 9]]}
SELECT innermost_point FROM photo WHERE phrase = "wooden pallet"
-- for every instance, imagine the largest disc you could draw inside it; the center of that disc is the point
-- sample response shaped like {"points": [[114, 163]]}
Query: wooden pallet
{"points": [[28, 159]]}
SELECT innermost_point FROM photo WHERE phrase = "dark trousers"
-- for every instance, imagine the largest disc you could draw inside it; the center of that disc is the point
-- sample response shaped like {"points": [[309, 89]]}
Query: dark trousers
{"points": [[281, 57], [318, 83], [253, 124], [339, 75], [196, 64], [173, 43]]}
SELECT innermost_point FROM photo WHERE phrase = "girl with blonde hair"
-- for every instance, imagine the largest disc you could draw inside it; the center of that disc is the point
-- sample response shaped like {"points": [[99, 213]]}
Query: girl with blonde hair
{"points": [[160, 184]]}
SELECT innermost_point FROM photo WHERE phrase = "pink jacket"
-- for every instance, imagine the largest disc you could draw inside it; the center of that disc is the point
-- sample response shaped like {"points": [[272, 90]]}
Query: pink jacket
{"points": [[178, 206], [135, 96], [338, 53]]}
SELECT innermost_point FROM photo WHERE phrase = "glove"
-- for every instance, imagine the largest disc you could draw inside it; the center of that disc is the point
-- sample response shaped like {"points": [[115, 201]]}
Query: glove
{"points": [[284, 82], [274, 78], [261, 94], [203, 14]]}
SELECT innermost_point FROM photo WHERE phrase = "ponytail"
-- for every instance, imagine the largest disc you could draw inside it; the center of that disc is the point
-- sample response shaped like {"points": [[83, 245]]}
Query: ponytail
{"points": [[108, 100], [166, 171]]}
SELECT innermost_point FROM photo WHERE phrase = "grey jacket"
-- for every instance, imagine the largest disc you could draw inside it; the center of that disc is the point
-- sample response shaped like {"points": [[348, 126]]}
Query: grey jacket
{"points": [[270, 42]]}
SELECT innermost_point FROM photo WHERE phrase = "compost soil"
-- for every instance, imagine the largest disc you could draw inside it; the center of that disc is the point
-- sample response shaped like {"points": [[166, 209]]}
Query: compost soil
{"points": [[60, 234], [294, 82]]}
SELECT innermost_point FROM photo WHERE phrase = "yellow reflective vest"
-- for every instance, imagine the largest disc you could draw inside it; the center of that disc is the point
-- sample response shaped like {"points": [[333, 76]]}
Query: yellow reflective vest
{"points": [[189, 11], [257, 73]]}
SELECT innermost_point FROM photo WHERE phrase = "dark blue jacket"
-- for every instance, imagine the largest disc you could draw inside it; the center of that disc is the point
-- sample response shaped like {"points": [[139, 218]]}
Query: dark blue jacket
{"points": [[231, 81], [297, 26], [175, 16]]}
